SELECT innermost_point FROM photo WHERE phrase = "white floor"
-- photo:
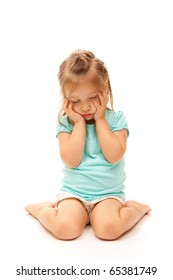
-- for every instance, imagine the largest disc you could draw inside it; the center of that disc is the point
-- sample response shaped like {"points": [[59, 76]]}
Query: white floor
{"points": [[27, 244]]}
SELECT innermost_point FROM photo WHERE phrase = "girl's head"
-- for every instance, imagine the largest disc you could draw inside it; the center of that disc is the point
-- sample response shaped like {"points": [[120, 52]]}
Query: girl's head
{"points": [[81, 77]]}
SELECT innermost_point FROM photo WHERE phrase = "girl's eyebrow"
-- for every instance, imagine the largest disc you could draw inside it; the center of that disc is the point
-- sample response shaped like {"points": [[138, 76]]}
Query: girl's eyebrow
{"points": [[93, 92], [89, 95]]}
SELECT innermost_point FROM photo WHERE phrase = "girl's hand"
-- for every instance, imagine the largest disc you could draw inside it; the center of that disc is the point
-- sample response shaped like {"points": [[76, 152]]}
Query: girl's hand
{"points": [[101, 106], [68, 109]]}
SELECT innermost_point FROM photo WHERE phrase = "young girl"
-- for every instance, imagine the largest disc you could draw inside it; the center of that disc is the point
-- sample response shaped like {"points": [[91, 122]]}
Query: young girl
{"points": [[92, 141]]}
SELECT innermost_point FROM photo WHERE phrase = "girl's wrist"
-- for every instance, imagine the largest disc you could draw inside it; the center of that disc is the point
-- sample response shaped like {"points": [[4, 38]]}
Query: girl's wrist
{"points": [[100, 119], [79, 121]]}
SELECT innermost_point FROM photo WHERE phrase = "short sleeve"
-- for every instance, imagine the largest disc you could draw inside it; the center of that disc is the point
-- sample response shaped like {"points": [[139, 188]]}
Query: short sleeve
{"points": [[63, 126], [117, 121]]}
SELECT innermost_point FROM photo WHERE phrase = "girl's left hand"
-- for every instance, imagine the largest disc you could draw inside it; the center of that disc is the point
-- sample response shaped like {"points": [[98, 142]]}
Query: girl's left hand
{"points": [[101, 106]]}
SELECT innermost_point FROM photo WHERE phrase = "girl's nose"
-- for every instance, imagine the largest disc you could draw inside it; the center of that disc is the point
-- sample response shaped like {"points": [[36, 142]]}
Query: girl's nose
{"points": [[85, 106]]}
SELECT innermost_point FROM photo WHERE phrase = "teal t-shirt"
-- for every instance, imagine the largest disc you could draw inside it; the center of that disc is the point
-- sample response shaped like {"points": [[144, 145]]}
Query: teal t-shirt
{"points": [[95, 177]]}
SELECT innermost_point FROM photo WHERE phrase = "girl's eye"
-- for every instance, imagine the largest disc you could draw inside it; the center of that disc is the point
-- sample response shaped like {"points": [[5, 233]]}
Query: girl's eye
{"points": [[94, 97], [75, 102]]}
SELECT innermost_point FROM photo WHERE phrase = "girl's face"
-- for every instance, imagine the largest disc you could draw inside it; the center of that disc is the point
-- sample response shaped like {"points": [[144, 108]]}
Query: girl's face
{"points": [[82, 98]]}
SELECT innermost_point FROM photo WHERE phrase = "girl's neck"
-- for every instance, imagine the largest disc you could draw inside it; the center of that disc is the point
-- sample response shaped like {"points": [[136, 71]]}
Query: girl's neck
{"points": [[90, 121]]}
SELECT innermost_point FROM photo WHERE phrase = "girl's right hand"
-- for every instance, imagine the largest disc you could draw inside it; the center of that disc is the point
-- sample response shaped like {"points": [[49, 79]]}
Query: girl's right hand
{"points": [[68, 109]]}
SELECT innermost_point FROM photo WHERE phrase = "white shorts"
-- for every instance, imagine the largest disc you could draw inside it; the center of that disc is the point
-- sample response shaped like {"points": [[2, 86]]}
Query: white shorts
{"points": [[89, 205]]}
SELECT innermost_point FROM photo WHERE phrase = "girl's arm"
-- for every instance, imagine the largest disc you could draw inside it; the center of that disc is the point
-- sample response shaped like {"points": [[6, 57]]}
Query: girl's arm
{"points": [[72, 145], [113, 144]]}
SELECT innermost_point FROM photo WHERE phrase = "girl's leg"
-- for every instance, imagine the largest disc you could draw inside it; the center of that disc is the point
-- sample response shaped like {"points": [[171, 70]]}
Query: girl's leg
{"points": [[110, 219], [66, 222]]}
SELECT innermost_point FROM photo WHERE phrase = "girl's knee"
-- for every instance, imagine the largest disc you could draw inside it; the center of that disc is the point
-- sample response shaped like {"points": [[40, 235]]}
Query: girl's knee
{"points": [[67, 229], [107, 230]]}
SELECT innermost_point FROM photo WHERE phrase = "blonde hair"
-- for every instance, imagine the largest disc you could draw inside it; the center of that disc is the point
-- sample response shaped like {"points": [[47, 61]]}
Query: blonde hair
{"points": [[82, 65]]}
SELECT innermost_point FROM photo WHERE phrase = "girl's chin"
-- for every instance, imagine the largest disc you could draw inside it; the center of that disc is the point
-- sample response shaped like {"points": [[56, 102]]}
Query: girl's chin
{"points": [[92, 121], [89, 118]]}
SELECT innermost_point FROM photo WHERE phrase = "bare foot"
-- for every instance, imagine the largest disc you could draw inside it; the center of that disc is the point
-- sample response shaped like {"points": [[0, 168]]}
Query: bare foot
{"points": [[33, 209], [142, 208]]}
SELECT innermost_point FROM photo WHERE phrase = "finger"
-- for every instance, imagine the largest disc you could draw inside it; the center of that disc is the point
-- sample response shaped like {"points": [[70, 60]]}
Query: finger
{"points": [[104, 98], [65, 104], [101, 98], [66, 100], [70, 106], [96, 104]]}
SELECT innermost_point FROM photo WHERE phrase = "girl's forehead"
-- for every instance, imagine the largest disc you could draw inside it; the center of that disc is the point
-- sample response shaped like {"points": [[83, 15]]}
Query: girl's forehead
{"points": [[84, 88]]}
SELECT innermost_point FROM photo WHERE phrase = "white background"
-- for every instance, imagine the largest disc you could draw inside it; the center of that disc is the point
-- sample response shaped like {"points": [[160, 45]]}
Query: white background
{"points": [[135, 40]]}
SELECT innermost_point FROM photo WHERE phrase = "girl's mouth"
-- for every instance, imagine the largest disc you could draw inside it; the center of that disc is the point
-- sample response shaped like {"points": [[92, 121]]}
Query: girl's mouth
{"points": [[87, 116]]}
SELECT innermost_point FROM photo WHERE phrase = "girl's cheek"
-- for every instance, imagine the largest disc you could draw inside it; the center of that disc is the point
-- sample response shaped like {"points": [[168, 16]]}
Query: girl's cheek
{"points": [[93, 108], [76, 108]]}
